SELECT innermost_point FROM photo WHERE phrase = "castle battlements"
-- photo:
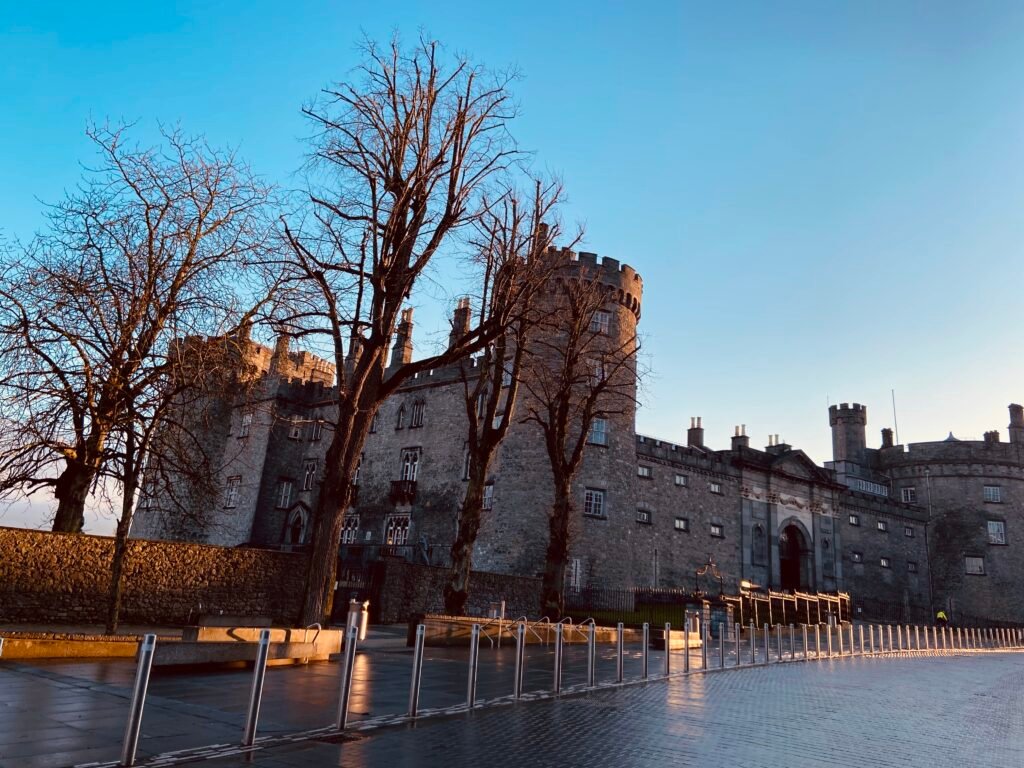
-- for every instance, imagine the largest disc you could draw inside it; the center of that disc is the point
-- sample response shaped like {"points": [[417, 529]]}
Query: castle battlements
{"points": [[620, 278]]}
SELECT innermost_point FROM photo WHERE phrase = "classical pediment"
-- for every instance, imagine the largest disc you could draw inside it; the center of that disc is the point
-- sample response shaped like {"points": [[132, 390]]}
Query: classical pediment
{"points": [[798, 464]]}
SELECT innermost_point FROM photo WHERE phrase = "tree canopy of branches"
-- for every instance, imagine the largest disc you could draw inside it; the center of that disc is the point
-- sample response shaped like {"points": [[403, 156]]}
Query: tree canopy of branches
{"points": [[577, 371], [511, 239], [402, 159], [148, 249]]}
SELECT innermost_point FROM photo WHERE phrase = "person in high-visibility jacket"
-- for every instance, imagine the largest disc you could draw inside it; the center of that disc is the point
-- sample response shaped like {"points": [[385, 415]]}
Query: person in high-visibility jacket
{"points": [[941, 618]]}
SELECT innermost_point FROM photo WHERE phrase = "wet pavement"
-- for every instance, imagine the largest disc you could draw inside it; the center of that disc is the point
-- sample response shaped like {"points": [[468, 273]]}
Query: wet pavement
{"points": [[73, 712]]}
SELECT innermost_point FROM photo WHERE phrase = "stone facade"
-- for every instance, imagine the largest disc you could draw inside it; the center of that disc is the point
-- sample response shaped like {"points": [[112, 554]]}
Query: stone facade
{"points": [[768, 517]]}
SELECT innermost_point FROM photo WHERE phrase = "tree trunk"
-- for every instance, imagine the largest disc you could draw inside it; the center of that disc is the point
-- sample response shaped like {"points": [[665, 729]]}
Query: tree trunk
{"points": [[553, 587], [116, 574], [456, 591], [71, 491]]}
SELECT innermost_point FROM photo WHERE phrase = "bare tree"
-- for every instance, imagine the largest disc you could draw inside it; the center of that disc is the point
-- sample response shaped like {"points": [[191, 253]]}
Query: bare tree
{"points": [[577, 371], [511, 239], [402, 159], [149, 249]]}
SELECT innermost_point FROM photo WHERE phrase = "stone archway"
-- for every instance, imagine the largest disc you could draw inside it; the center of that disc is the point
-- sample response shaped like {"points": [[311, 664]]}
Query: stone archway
{"points": [[795, 557]]}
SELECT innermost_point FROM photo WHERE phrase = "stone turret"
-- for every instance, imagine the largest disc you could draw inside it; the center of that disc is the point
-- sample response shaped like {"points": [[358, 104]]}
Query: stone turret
{"points": [[848, 431], [1016, 423], [887, 437], [401, 353]]}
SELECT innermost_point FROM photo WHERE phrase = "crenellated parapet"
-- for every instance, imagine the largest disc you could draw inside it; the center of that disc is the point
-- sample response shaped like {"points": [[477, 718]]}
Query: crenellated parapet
{"points": [[623, 282]]}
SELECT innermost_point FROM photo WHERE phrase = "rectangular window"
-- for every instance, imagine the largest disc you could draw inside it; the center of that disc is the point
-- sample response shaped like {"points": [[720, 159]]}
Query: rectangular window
{"points": [[488, 502], [683, 524], [854, 519], [643, 516], [884, 562], [246, 425], [715, 487], [374, 422], [284, 494], [419, 411], [681, 481], [410, 464], [600, 322], [231, 492], [644, 471], [466, 456], [908, 531], [598, 432], [359, 467], [857, 557], [308, 475], [993, 493], [318, 429], [295, 428], [350, 529], [974, 566], [396, 530], [996, 532], [593, 502], [883, 525], [911, 566], [575, 573], [909, 495], [716, 531], [400, 420], [597, 372]]}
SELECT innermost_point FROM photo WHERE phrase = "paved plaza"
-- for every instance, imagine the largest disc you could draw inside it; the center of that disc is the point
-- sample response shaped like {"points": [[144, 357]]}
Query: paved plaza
{"points": [[952, 710]]}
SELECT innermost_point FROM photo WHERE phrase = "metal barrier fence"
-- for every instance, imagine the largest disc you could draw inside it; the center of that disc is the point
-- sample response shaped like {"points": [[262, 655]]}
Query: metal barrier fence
{"points": [[764, 645]]}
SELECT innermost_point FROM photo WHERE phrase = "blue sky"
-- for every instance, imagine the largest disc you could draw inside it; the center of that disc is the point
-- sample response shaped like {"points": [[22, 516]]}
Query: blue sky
{"points": [[824, 199]]}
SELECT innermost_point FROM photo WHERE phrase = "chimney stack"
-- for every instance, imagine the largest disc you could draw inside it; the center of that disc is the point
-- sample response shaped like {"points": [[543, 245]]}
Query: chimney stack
{"points": [[460, 322], [992, 436], [695, 434], [280, 357], [886, 437], [401, 353], [740, 439], [1016, 423]]}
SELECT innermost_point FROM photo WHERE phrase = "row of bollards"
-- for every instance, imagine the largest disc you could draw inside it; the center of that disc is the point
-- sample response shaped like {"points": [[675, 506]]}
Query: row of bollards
{"points": [[926, 639]]}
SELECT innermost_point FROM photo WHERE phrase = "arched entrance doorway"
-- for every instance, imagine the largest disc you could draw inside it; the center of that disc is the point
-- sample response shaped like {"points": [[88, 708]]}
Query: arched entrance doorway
{"points": [[793, 551]]}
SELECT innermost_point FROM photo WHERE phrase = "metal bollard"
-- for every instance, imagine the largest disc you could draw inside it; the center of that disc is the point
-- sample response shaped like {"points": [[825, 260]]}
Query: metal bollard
{"points": [[851, 639], [668, 649], [259, 673], [558, 657], [778, 640], [736, 642], [1, 647], [871, 638], [767, 652], [721, 644], [917, 637], [899, 638], [417, 672], [619, 649], [959, 638], [592, 655], [817, 641], [792, 642], [705, 641], [753, 649], [860, 636], [686, 642], [474, 665], [131, 731], [807, 648], [517, 684], [347, 667], [888, 631], [943, 638], [839, 638], [646, 640], [828, 638]]}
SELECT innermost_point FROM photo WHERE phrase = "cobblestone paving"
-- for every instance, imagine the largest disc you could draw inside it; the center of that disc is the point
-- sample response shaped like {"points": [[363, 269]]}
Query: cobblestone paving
{"points": [[862, 713]]}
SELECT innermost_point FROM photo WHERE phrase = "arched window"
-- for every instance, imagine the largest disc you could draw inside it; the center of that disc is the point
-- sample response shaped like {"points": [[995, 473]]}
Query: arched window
{"points": [[400, 424], [295, 529], [758, 544], [419, 409]]}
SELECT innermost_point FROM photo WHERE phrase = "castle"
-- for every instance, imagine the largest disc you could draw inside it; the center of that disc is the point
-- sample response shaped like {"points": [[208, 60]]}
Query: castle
{"points": [[915, 527]]}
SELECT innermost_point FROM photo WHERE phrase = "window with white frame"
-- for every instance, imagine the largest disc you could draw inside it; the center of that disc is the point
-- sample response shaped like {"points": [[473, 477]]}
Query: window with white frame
{"points": [[593, 502], [410, 463], [715, 487], [993, 493], [597, 372], [575, 573], [318, 429], [884, 562], [598, 434], [857, 557], [854, 519], [359, 468], [466, 456], [682, 481], [600, 321], [396, 530], [308, 474], [909, 495], [996, 532], [882, 525], [716, 530], [419, 410], [246, 427], [295, 428], [974, 566], [350, 529], [231, 491], [911, 566], [908, 531], [682, 524], [644, 471], [488, 501], [643, 516], [284, 493], [481, 404], [400, 420]]}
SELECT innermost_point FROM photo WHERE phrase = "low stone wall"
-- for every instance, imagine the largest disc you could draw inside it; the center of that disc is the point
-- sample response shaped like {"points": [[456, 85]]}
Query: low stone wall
{"points": [[63, 579], [405, 590]]}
